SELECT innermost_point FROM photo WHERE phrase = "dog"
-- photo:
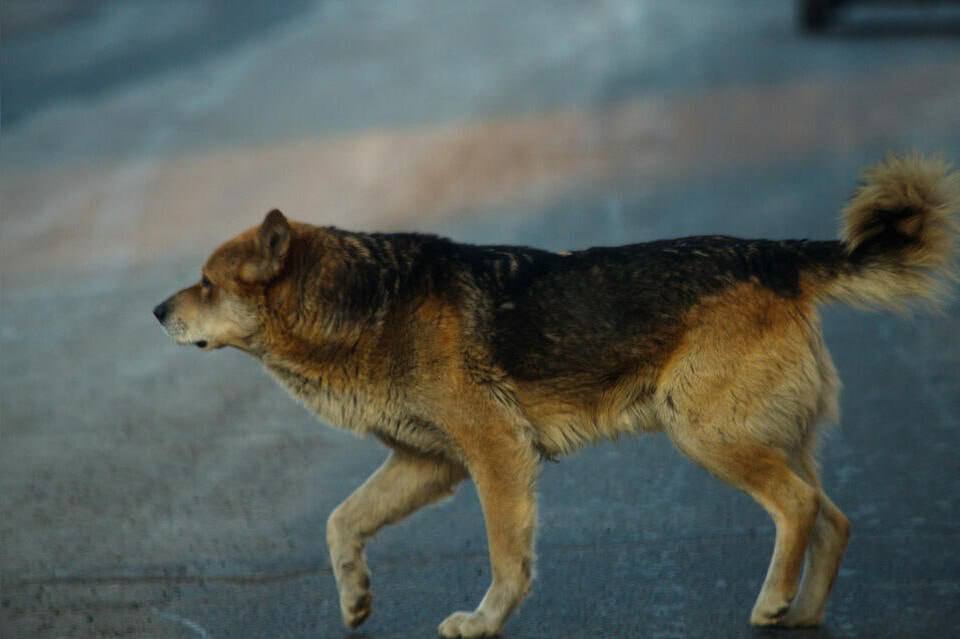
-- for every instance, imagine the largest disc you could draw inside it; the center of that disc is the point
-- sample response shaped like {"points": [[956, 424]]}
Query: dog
{"points": [[482, 361]]}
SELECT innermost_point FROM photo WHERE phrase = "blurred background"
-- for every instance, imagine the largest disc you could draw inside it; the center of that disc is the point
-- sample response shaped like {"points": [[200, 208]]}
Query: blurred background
{"points": [[152, 491]]}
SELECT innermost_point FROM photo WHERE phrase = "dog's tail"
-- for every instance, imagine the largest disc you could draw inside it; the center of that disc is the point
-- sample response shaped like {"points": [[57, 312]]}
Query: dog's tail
{"points": [[898, 236]]}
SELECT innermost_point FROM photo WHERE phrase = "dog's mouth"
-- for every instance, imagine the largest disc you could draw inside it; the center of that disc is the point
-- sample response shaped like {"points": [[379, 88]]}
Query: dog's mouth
{"points": [[177, 330], [206, 345]]}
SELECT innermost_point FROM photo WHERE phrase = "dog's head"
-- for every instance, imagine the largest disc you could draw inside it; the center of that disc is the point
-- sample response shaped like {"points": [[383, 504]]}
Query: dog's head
{"points": [[225, 307]]}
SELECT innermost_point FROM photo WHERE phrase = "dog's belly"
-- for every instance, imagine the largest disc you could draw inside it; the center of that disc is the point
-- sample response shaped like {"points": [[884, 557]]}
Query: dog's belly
{"points": [[560, 432]]}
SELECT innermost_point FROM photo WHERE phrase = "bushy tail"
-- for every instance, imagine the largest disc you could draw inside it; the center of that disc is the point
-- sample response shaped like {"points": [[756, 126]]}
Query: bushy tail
{"points": [[899, 235]]}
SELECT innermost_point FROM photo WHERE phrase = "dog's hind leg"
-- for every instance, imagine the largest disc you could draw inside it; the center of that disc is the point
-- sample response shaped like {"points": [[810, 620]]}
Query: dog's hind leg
{"points": [[764, 473], [741, 396], [827, 544], [403, 484]]}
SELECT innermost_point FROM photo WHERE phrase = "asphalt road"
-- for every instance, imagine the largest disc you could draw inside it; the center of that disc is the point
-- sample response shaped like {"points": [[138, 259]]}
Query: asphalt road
{"points": [[152, 491]]}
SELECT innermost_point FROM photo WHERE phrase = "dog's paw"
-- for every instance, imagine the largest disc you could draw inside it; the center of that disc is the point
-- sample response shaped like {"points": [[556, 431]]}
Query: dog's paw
{"points": [[355, 607], [770, 613], [467, 625]]}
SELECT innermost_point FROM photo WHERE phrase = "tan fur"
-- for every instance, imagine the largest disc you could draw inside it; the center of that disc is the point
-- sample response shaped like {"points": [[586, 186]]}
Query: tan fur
{"points": [[739, 379], [921, 271], [402, 485], [752, 423]]}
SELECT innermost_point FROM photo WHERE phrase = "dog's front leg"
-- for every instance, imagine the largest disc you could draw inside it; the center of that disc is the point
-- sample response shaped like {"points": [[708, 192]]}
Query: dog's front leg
{"points": [[504, 471], [403, 484]]}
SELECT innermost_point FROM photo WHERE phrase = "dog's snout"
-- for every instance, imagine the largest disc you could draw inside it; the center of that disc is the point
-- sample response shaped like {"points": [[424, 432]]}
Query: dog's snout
{"points": [[160, 311]]}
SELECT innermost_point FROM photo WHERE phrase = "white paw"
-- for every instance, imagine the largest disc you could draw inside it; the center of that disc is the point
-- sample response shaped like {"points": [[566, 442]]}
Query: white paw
{"points": [[467, 625]]}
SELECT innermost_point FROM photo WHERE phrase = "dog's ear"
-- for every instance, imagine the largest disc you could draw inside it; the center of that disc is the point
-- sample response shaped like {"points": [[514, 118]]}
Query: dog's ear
{"points": [[273, 239], [272, 246]]}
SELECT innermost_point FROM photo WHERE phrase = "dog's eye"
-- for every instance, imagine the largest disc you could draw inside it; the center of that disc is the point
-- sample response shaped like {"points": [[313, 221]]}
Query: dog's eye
{"points": [[205, 282]]}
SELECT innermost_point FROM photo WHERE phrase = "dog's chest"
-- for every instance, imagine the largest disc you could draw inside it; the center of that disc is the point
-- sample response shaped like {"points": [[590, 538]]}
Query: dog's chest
{"points": [[338, 406], [365, 413]]}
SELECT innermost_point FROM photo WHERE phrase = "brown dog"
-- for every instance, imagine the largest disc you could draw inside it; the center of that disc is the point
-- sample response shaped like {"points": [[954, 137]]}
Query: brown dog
{"points": [[480, 361]]}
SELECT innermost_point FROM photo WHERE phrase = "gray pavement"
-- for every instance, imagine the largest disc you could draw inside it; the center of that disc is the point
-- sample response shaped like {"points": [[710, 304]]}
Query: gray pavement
{"points": [[153, 491]]}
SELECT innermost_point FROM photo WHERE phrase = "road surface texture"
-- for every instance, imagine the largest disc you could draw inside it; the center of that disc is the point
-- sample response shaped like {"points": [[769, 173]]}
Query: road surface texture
{"points": [[148, 490]]}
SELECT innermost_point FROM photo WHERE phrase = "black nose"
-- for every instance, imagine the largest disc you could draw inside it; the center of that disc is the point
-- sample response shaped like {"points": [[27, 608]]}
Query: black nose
{"points": [[160, 312]]}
